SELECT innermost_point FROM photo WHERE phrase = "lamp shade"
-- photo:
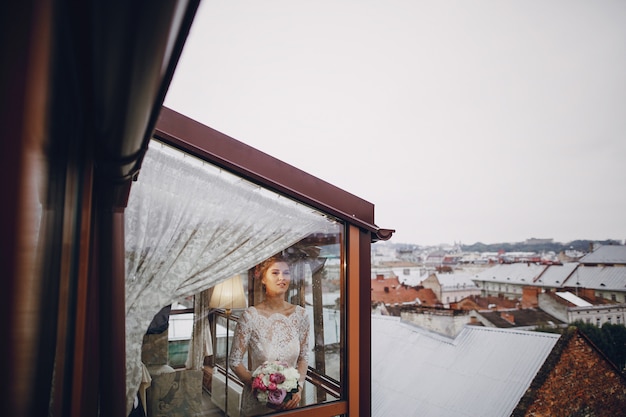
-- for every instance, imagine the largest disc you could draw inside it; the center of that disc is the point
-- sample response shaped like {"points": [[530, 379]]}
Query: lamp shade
{"points": [[229, 294]]}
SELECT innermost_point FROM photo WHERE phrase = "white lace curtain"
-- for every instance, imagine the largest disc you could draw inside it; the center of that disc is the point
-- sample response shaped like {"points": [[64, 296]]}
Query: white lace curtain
{"points": [[190, 225]]}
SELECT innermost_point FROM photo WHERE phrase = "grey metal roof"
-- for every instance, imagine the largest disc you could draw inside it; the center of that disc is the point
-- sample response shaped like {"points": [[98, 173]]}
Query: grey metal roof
{"points": [[604, 278], [456, 280], [555, 275], [522, 319], [482, 372], [518, 273], [607, 254], [572, 298]]}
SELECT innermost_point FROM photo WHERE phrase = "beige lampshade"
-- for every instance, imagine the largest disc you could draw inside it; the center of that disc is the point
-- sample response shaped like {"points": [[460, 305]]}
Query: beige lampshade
{"points": [[229, 294]]}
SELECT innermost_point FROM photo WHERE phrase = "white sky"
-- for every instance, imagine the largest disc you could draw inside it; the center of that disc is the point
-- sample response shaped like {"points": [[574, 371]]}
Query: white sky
{"points": [[469, 120]]}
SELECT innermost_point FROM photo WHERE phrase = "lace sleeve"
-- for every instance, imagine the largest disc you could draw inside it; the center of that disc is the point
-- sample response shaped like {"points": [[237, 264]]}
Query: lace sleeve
{"points": [[240, 340], [303, 358]]}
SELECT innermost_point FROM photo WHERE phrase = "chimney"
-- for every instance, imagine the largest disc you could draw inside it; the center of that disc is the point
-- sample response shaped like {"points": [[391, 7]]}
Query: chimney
{"points": [[530, 297], [588, 293], [508, 317], [380, 277]]}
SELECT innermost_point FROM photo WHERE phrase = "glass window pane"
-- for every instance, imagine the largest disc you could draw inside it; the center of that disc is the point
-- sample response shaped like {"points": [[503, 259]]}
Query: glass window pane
{"points": [[316, 285], [190, 226]]}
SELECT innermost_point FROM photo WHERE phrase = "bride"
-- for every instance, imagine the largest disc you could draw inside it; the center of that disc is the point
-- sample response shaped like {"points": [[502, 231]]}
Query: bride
{"points": [[273, 330]]}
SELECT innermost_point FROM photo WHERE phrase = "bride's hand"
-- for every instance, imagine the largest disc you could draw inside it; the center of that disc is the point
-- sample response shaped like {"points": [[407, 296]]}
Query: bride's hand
{"points": [[295, 400]]}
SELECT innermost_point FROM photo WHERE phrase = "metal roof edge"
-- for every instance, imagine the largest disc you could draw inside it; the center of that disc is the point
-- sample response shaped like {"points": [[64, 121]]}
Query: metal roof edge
{"points": [[215, 147]]}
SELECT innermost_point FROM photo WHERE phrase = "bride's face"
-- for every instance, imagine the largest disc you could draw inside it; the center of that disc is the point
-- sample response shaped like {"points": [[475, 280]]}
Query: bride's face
{"points": [[277, 278]]}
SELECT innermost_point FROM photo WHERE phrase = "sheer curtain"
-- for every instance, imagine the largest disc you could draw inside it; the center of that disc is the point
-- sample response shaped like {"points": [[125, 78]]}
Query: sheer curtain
{"points": [[201, 343], [190, 225]]}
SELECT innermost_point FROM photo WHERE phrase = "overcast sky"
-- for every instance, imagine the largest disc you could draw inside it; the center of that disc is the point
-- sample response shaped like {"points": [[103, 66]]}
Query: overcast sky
{"points": [[462, 121]]}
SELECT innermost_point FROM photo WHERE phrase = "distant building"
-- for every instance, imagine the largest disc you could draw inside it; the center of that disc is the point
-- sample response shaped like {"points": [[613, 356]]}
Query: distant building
{"points": [[390, 291], [435, 258], [522, 319], [570, 256], [382, 253], [378, 272], [607, 280], [483, 303], [569, 308], [440, 320], [606, 255], [450, 288], [408, 273], [508, 280]]}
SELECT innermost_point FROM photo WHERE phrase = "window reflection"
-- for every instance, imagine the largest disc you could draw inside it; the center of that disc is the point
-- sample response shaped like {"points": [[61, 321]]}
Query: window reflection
{"points": [[317, 286]]}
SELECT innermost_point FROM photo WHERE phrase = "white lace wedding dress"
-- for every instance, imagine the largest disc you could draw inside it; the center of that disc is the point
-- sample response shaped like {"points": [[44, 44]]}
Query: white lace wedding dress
{"points": [[270, 338]]}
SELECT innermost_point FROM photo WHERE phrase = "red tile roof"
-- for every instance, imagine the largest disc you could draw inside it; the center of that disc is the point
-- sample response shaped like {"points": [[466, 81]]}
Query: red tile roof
{"points": [[479, 303], [391, 291]]}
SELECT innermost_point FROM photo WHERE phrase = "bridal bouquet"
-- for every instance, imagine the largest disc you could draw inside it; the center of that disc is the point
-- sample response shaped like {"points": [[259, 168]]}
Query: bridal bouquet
{"points": [[274, 383]]}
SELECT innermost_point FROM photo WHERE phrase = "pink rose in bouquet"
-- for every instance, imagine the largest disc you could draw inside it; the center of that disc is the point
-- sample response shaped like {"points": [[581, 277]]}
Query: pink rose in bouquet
{"points": [[277, 396], [257, 383], [277, 378]]}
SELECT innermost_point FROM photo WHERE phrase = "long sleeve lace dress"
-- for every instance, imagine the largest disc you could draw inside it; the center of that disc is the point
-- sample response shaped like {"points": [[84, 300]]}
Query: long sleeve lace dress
{"points": [[269, 338]]}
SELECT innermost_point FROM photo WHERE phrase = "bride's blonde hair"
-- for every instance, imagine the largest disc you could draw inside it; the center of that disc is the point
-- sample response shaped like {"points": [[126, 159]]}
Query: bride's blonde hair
{"points": [[261, 269]]}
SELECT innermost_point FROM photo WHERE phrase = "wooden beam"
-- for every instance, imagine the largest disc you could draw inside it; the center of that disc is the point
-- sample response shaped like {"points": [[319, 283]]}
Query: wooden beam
{"points": [[354, 337]]}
